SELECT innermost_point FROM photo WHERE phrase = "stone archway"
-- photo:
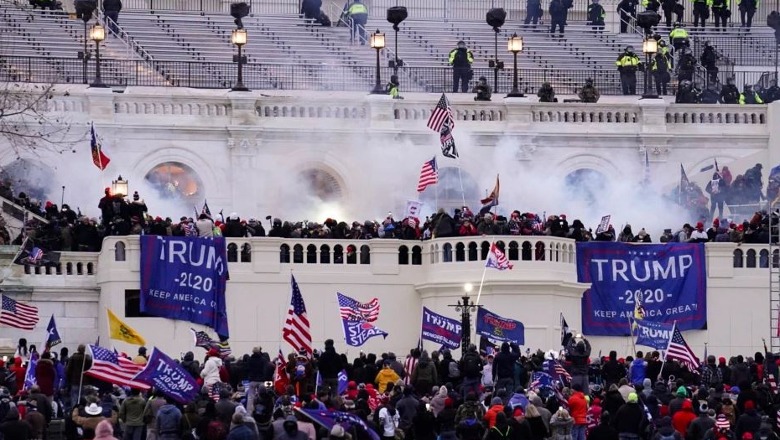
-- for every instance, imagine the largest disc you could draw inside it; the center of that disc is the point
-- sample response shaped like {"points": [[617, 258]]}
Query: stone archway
{"points": [[585, 184], [175, 180], [448, 191]]}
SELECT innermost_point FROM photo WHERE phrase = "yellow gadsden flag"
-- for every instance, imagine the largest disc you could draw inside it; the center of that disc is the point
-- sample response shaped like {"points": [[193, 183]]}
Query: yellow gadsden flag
{"points": [[123, 332]]}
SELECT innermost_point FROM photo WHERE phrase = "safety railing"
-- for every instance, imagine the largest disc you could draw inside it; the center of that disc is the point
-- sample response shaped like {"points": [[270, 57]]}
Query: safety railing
{"points": [[262, 76], [741, 49]]}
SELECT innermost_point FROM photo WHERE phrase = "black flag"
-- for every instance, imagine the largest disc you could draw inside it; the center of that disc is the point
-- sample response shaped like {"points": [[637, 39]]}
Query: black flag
{"points": [[565, 331], [448, 142]]}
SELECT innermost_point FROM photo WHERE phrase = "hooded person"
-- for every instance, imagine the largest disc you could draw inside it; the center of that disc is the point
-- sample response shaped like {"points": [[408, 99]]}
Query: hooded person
{"points": [[749, 421], [104, 431], [682, 419], [630, 419]]}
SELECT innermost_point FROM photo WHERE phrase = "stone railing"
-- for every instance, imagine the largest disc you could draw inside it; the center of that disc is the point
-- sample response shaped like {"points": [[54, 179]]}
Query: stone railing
{"points": [[624, 116], [70, 264]]}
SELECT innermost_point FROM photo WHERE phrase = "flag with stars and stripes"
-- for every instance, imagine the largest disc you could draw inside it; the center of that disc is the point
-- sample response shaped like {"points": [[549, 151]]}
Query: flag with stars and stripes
{"points": [[297, 330], [496, 259], [203, 340], [441, 114], [353, 310], [678, 349], [18, 315], [109, 367]]}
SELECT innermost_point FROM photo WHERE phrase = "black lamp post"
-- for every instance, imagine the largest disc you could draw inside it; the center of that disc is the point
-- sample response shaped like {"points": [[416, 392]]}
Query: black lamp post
{"points": [[97, 34], [396, 15], [515, 45], [465, 307], [650, 48], [239, 38], [377, 41]]}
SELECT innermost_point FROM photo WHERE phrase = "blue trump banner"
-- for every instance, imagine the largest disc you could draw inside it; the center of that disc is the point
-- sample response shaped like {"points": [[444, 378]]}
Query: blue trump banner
{"points": [[356, 333], [653, 334], [185, 278], [440, 329], [327, 419], [669, 281], [165, 375], [497, 328]]}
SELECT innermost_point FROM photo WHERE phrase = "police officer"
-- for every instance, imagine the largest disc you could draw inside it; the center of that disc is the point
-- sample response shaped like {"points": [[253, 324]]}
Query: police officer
{"points": [[589, 93], [546, 93], [709, 59], [483, 90], [392, 87], [772, 93], [533, 11], [558, 13], [686, 65], [748, 96], [461, 59], [661, 67], [357, 13], [747, 8], [627, 10], [627, 64], [701, 11], [709, 95], [729, 94], [720, 10], [669, 7], [596, 15], [686, 94], [678, 36]]}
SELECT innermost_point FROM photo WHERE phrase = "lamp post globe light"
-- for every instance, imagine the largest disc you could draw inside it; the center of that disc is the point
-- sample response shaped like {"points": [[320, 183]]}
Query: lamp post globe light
{"points": [[239, 38], [515, 45], [465, 307], [97, 34], [650, 48], [119, 187], [377, 41]]}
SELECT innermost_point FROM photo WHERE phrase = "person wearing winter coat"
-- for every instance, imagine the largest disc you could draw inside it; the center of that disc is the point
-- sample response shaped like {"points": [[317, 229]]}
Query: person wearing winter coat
{"points": [[604, 430], [700, 425], [665, 430], [561, 425], [424, 376], [630, 418], [501, 429], [749, 421], [683, 418], [503, 366], [612, 371], [496, 407], [131, 413], [538, 426], [104, 431], [46, 374], [578, 409], [168, 421], [211, 367], [242, 431], [438, 401]]}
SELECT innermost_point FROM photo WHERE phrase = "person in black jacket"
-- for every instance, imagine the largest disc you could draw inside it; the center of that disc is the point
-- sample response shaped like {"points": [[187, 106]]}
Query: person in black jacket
{"points": [[259, 370], [330, 365], [234, 227], [558, 13], [578, 352], [612, 371], [605, 431], [533, 11], [504, 366], [630, 418], [111, 9], [627, 10]]}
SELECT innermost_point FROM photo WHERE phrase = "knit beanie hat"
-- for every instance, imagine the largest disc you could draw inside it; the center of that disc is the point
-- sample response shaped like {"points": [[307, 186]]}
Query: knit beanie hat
{"points": [[682, 392]]}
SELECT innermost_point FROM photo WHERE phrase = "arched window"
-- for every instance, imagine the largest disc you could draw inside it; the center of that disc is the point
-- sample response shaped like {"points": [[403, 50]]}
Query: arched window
{"points": [[416, 255], [90, 269], [232, 253], [175, 180], [540, 251], [338, 254], [311, 254], [403, 255], [527, 253], [351, 254], [513, 251], [446, 252], [473, 253], [460, 252], [750, 260], [484, 248], [119, 251], [298, 254], [365, 254], [763, 259], [284, 253], [325, 254], [246, 253], [738, 258]]}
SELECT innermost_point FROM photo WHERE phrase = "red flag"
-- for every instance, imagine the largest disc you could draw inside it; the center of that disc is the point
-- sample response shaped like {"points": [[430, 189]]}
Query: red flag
{"points": [[98, 158], [280, 375]]}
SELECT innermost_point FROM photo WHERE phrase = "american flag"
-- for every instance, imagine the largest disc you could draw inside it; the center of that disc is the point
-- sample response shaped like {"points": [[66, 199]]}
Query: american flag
{"points": [[203, 340], [679, 350], [540, 380], [440, 115], [109, 367], [429, 175], [352, 310], [296, 330], [18, 315], [560, 372], [497, 259]]}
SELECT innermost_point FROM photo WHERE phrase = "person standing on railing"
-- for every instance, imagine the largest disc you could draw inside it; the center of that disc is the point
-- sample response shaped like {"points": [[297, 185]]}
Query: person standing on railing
{"points": [[461, 59], [357, 14], [596, 15], [747, 8], [627, 10], [111, 9], [533, 11], [701, 12], [627, 64], [721, 12]]}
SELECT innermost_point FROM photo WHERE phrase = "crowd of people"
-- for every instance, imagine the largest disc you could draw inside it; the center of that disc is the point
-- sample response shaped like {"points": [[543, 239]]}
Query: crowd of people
{"points": [[498, 393], [67, 230]]}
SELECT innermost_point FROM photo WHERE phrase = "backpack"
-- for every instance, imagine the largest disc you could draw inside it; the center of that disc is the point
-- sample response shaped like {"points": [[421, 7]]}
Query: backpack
{"points": [[216, 431], [452, 370], [300, 370], [470, 366]]}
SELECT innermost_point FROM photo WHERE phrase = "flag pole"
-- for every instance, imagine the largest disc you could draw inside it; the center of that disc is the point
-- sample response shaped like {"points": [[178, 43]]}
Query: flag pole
{"points": [[481, 282], [668, 343], [462, 192]]}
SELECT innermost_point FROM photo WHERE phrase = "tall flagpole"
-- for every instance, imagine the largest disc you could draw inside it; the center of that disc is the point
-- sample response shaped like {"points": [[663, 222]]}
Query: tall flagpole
{"points": [[668, 343], [460, 178], [482, 281]]}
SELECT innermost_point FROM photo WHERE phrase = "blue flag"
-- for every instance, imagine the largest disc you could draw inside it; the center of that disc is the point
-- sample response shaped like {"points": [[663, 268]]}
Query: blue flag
{"points": [[498, 328], [347, 420], [319, 379], [541, 380], [653, 334], [165, 375], [53, 336], [343, 381], [29, 376], [440, 329], [185, 278], [668, 280], [356, 333]]}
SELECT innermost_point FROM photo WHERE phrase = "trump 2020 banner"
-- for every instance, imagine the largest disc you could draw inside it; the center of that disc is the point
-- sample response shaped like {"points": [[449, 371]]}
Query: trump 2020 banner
{"points": [[498, 328], [668, 280], [185, 278], [164, 374], [440, 329], [653, 334]]}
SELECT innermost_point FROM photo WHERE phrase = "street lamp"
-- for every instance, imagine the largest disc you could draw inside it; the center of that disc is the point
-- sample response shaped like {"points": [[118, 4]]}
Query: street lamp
{"points": [[119, 187], [97, 34], [238, 37], [377, 41], [465, 308], [650, 48], [515, 45]]}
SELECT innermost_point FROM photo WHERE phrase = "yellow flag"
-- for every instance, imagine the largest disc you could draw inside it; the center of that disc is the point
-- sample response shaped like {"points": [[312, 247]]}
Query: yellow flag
{"points": [[123, 332]]}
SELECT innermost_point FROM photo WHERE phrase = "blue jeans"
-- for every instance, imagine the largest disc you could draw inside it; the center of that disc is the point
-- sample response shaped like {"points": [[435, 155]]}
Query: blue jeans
{"points": [[358, 27], [578, 432], [134, 432]]}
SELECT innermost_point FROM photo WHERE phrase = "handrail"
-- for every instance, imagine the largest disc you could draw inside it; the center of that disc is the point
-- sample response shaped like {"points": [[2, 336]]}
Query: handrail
{"points": [[629, 22], [123, 36], [334, 8], [13, 209]]}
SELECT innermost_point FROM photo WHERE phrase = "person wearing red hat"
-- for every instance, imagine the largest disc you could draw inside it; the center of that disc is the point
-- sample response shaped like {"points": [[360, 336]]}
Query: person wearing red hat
{"points": [[211, 367], [698, 235], [749, 421]]}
